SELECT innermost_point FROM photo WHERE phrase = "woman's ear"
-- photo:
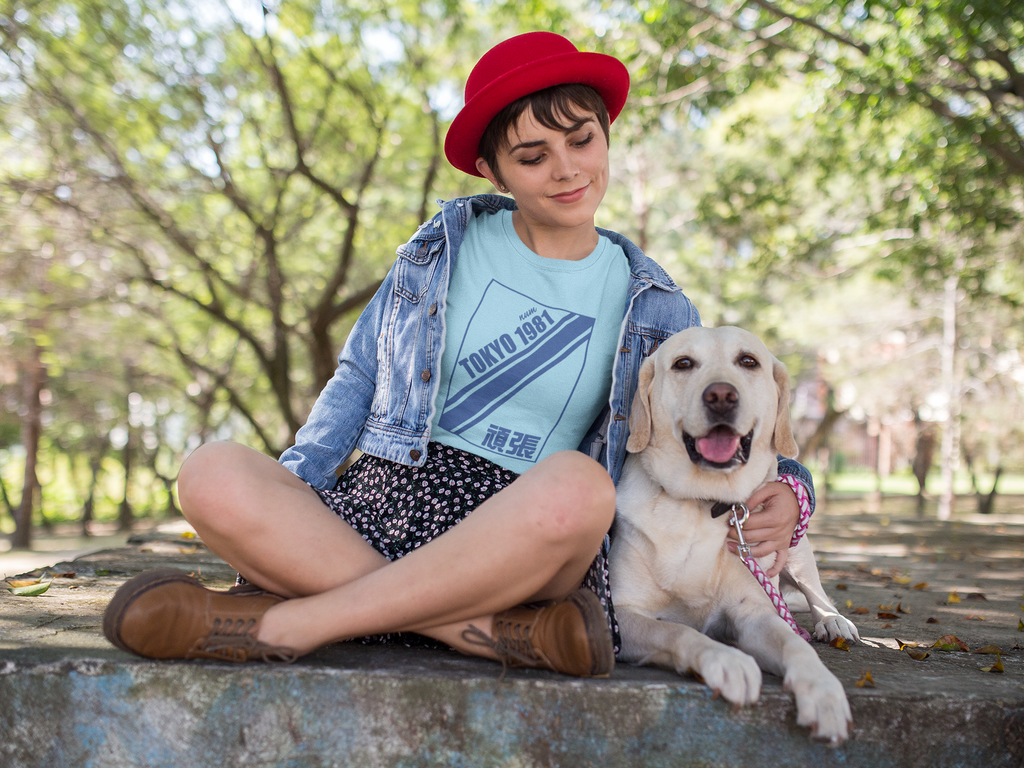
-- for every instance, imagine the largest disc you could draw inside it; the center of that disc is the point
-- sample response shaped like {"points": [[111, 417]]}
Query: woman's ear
{"points": [[491, 176]]}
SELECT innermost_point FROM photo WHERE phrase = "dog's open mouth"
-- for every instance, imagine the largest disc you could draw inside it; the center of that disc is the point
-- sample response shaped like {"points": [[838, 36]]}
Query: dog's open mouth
{"points": [[722, 447]]}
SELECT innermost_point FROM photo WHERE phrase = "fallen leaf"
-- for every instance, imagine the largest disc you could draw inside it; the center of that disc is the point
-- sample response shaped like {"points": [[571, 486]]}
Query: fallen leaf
{"points": [[931, 620], [849, 603], [887, 615], [1020, 625], [876, 571], [903, 645], [885, 607], [975, 617], [18, 583], [901, 579], [866, 680], [997, 667], [861, 609], [953, 597], [989, 649], [68, 575], [187, 550], [922, 585], [901, 609], [887, 626], [188, 535], [30, 591], [917, 655], [102, 572], [975, 596], [840, 643], [951, 643], [840, 586]]}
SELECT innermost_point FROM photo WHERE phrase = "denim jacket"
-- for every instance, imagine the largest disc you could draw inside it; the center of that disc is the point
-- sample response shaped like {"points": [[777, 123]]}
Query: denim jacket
{"points": [[381, 397]]}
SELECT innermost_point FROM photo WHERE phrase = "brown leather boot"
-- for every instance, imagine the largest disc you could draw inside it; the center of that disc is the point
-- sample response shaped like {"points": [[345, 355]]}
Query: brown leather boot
{"points": [[167, 614], [570, 636]]}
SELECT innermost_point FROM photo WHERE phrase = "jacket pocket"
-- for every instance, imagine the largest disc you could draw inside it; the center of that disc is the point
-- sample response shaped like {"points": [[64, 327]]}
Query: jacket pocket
{"points": [[417, 261]]}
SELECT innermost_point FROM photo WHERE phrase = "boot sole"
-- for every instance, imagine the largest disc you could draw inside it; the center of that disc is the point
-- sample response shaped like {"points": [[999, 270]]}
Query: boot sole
{"points": [[596, 622], [131, 590]]}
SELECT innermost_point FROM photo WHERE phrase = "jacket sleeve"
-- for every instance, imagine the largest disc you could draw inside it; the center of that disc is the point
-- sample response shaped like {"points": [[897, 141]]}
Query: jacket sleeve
{"points": [[797, 470], [342, 408]]}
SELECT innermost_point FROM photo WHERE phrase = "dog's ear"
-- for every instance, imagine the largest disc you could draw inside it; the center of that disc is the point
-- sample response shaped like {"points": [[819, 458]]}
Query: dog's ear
{"points": [[783, 437], [640, 414]]}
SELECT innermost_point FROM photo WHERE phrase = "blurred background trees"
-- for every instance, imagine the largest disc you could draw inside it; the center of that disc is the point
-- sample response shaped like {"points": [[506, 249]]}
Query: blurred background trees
{"points": [[198, 199]]}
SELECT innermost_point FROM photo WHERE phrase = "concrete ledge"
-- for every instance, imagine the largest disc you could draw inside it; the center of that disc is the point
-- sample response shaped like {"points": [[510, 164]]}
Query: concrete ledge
{"points": [[68, 699], [370, 706]]}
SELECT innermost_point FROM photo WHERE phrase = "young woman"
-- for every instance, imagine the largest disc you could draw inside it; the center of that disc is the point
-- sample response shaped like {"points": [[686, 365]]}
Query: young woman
{"points": [[488, 385]]}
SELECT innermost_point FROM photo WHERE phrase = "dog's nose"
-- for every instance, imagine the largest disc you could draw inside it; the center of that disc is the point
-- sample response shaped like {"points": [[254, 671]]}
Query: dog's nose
{"points": [[720, 398]]}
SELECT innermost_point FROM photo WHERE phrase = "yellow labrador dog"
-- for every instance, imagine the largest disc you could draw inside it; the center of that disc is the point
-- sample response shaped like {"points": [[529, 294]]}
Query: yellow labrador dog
{"points": [[710, 415]]}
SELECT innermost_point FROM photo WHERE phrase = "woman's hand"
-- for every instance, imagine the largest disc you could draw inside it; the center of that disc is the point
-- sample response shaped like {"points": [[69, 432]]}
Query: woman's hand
{"points": [[770, 528]]}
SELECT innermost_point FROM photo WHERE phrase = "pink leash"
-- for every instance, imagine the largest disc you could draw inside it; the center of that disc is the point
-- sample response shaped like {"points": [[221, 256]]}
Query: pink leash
{"points": [[773, 594]]}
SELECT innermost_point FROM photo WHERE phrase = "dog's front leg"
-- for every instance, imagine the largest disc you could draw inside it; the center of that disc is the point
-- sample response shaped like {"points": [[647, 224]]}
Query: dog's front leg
{"points": [[821, 703], [727, 671], [802, 573]]}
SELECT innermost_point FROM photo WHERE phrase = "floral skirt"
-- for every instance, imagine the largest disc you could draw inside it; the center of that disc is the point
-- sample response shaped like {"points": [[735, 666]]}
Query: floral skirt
{"points": [[397, 508]]}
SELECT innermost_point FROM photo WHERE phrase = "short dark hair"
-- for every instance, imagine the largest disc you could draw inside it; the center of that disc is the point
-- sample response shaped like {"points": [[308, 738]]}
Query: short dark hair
{"points": [[550, 107]]}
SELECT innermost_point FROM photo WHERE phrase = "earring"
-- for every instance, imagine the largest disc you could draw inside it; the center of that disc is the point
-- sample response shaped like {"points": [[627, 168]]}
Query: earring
{"points": [[502, 188]]}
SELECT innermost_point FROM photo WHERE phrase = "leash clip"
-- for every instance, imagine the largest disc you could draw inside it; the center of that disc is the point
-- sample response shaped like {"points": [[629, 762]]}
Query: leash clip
{"points": [[737, 522]]}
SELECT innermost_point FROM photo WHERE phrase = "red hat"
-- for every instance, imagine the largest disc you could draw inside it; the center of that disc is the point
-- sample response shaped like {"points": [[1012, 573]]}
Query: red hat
{"points": [[520, 66]]}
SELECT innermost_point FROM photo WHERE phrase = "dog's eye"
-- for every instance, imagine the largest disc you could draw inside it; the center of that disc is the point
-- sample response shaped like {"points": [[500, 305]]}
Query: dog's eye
{"points": [[683, 364], [748, 361]]}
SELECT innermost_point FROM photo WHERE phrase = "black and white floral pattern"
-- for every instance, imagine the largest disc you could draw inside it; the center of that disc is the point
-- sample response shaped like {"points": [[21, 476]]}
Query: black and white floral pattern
{"points": [[397, 508]]}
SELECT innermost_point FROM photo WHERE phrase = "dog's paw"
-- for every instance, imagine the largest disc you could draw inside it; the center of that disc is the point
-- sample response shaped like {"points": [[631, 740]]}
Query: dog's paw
{"points": [[730, 673], [821, 705], [833, 625]]}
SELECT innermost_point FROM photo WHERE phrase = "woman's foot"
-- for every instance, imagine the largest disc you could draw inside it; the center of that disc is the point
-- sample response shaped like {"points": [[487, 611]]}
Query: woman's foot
{"points": [[167, 614], [570, 636]]}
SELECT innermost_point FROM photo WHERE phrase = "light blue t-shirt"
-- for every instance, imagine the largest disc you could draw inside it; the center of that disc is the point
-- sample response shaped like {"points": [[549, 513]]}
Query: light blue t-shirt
{"points": [[529, 345]]}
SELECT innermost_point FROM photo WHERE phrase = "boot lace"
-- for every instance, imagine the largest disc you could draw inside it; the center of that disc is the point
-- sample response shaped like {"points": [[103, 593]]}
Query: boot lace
{"points": [[231, 640], [512, 644]]}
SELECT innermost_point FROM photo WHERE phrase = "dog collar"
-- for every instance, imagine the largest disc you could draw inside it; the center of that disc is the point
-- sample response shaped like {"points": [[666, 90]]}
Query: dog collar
{"points": [[719, 508]]}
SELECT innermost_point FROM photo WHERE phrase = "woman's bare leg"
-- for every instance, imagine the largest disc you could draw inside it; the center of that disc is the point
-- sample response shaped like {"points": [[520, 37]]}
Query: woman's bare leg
{"points": [[533, 540]]}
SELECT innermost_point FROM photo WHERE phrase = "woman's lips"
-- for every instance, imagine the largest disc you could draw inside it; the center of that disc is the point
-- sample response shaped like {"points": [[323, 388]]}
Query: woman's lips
{"points": [[571, 197]]}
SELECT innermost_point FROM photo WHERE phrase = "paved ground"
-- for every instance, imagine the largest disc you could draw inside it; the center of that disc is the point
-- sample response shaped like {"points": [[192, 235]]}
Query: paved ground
{"points": [[69, 698]]}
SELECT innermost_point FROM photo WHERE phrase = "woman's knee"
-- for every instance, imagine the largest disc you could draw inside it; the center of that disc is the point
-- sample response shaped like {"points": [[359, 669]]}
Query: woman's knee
{"points": [[575, 497], [210, 478]]}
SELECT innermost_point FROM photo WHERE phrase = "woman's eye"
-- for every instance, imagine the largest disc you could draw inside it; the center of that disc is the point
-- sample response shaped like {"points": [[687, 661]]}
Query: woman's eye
{"points": [[584, 142], [531, 160]]}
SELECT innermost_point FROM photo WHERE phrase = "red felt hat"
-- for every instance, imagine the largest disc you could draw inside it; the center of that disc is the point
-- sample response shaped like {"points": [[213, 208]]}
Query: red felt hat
{"points": [[517, 67]]}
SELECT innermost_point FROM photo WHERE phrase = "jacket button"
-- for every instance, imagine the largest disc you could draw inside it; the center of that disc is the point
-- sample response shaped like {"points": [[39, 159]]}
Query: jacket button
{"points": [[433, 309], [425, 375], [414, 455]]}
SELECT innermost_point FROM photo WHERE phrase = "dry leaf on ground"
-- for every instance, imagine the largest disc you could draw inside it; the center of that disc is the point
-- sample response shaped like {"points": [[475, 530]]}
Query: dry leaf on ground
{"points": [[988, 649], [32, 590], [951, 643], [997, 667]]}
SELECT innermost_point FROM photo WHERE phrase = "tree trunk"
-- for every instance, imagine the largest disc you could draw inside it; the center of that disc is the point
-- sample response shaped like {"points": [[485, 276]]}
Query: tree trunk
{"points": [[951, 433], [987, 502], [33, 379], [924, 453], [95, 462]]}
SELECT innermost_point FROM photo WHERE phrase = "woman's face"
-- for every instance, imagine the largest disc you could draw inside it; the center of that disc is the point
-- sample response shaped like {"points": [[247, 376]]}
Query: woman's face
{"points": [[558, 178]]}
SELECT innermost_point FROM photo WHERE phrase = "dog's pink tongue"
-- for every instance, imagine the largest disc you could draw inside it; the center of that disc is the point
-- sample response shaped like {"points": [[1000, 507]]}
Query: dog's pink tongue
{"points": [[718, 446]]}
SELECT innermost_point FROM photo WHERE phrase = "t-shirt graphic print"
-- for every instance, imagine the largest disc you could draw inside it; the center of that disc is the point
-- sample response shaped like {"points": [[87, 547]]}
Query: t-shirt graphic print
{"points": [[529, 345], [520, 351]]}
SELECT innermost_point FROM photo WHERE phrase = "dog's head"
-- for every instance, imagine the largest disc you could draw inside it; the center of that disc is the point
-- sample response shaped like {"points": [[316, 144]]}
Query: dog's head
{"points": [[711, 412]]}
